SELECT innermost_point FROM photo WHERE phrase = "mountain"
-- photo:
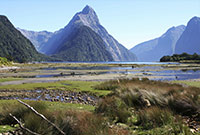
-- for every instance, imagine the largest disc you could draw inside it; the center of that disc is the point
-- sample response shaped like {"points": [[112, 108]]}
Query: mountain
{"points": [[153, 50], [87, 17], [14, 46], [83, 45], [189, 41], [38, 39]]}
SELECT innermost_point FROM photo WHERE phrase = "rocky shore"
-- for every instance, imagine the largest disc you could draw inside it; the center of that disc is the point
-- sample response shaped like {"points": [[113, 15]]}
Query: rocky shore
{"points": [[50, 95]]}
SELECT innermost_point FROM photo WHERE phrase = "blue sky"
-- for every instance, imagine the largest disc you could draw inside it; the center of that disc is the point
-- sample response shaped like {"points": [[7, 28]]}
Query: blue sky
{"points": [[129, 21]]}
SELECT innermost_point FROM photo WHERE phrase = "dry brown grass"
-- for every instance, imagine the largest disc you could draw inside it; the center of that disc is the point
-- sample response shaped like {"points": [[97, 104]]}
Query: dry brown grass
{"points": [[72, 122], [146, 93]]}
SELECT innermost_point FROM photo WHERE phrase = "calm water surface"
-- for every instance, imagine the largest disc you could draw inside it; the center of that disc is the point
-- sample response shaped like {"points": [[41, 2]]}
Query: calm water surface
{"points": [[159, 71]]}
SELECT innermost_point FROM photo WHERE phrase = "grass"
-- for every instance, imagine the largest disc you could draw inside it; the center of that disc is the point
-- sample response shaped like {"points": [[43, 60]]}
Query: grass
{"points": [[4, 62], [5, 128], [189, 83], [51, 106], [170, 129], [140, 106], [73, 122], [78, 86], [9, 79], [154, 105], [68, 106]]}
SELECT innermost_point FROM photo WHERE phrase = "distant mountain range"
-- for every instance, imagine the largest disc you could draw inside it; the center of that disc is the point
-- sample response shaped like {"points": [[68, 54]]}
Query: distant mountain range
{"points": [[37, 38], [85, 39], [153, 50], [16, 47], [176, 40], [87, 17]]}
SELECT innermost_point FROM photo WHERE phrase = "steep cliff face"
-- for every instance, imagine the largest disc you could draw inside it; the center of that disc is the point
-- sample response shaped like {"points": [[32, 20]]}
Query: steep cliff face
{"points": [[83, 45], [87, 17], [14, 46], [38, 39], [189, 41], [153, 50]]}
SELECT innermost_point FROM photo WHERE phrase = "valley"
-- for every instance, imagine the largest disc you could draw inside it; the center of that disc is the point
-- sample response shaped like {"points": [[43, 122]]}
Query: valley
{"points": [[79, 79]]}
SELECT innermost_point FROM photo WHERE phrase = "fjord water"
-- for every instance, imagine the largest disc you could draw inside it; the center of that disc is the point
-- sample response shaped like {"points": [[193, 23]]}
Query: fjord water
{"points": [[148, 69], [119, 62]]}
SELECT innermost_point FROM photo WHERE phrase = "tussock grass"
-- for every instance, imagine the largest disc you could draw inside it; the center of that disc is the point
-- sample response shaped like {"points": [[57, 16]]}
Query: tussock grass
{"points": [[154, 117], [152, 105], [143, 93], [72, 122], [114, 108]]}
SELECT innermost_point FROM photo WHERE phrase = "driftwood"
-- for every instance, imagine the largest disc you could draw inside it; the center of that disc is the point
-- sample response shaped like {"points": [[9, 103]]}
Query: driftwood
{"points": [[22, 127], [42, 116]]}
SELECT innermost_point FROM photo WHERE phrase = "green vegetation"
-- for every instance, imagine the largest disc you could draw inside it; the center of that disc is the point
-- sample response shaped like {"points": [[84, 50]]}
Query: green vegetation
{"points": [[189, 83], [4, 62], [14, 46], [184, 57], [51, 106], [80, 42], [77, 86], [6, 128], [9, 79], [129, 106], [150, 107], [73, 122]]}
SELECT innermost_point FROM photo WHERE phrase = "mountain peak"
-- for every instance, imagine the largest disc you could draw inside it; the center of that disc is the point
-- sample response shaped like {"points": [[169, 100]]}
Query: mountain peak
{"points": [[174, 30], [189, 41], [3, 18], [87, 10], [87, 17], [194, 20]]}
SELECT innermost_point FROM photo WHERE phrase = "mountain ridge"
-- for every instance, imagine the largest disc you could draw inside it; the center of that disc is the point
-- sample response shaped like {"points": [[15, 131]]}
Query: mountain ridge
{"points": [[15, 46], [189, 41], [38, 38], [154, 49], [88, 17], [80, 42]]}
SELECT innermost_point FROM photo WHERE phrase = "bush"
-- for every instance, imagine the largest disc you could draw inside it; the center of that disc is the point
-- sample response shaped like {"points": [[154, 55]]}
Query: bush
{"points": [[70, 121], [4, 62], [17, 110], [114, 108], [154, 117], [110, 85], [183, 105], [179, 57]]}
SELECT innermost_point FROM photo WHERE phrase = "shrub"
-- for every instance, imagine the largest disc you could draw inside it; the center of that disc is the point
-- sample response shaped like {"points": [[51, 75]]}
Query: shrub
{"points": [[114, 108], [110, 85], [154, 117], [183, 105], [4, 61], [70, 121]]}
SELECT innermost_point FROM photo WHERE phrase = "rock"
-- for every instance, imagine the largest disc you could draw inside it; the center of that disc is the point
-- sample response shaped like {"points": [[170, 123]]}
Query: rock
{"points": [[73, 73], [89, 99], [61, 74], [147, 102], [123, 126]]}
